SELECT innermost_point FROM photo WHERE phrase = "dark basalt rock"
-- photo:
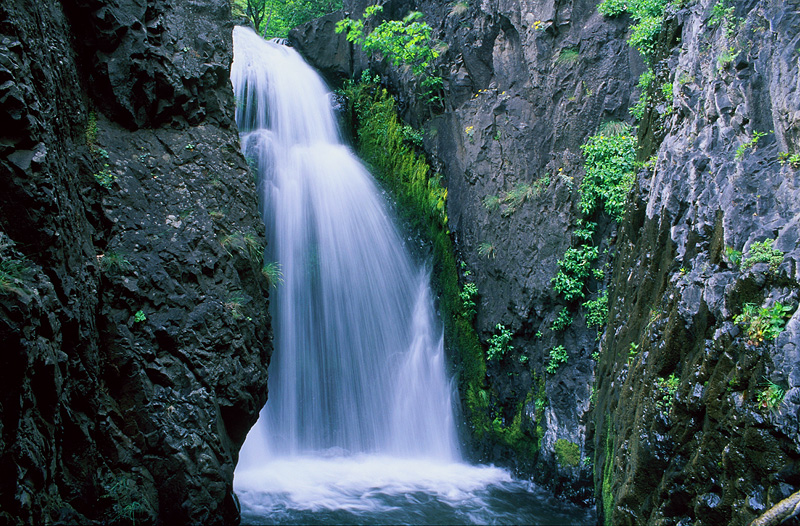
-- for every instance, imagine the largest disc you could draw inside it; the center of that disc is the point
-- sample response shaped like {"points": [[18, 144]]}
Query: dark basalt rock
{"points": [[133, 318]]}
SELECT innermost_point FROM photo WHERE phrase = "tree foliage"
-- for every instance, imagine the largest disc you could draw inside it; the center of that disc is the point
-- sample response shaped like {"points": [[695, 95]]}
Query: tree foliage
{"points": [[275, 18], [407, 42]]}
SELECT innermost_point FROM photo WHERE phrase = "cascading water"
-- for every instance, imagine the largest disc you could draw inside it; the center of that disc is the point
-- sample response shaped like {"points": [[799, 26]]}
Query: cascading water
{"points": [[359, 422]]}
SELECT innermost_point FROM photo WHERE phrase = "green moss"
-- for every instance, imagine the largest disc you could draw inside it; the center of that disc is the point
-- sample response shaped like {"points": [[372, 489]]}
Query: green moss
{"points": [[608, 472], [567, 453], [382, 142]]}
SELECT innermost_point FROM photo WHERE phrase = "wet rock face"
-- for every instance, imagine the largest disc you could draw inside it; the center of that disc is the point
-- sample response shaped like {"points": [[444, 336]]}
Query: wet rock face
{"points": [[155, 62], [720, 445], [133, 313]]}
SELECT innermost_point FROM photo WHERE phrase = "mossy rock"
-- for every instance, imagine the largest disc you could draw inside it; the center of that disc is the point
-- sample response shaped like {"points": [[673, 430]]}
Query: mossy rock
{"points": [[567, 453]]}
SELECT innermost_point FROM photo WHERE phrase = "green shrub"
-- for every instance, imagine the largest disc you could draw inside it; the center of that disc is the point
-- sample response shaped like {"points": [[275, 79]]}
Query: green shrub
{"points": [[749, 144], [792, 160], [500, 343], [558, 355], [402, 42], [734, 256], [113, 262], [12, 273], [246, 243], [273, 273], [771, 396], [647, 15], [139, 317], [609, 173], [726, 58], [487, 250], [762, 323], [597, 310], [665, 390], [763, 252], [574, 271], [562, 321], [468, 305], [568, 56]]}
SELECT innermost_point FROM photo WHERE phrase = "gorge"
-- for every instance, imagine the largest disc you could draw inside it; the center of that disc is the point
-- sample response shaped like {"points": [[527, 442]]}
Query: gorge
{"points": [[134, 306]]}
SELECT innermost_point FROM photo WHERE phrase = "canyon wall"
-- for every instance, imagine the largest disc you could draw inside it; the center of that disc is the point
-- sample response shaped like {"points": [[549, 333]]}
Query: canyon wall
{"points": [[133, 310]]}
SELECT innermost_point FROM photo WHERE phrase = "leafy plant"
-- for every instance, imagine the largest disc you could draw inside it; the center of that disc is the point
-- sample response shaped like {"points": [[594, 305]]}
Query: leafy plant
{"points": [[139, 317], [412, 136], [609, 173], [750, 144], [568, 56], [235, 304], [558, 356], [633, 351], [113, 262], [771, 396], [585, 230], [762, 323], [733, 255], [562, 321], [275, 18], [721, 12], [486, 250], [666, 389], [12, 273], [125, 508], [246, 243], [273, 272], [763, 252], [647, 15], [403, 42], [491, 202], [513, 199], [574, 270], [645, 80], [792, 160], [468, 295], [500, 343], [597, 310], [727, 57]]}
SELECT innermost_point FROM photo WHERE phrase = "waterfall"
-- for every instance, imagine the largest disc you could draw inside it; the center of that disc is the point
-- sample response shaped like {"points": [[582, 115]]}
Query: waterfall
{"points": [[359, 427], [359, 362]]}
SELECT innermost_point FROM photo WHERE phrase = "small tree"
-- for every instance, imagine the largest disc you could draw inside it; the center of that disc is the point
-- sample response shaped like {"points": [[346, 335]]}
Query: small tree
{"points": [[402, 42]]}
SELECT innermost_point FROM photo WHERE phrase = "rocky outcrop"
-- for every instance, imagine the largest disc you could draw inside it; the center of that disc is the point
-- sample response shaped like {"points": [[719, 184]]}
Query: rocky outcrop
{"points": [[133, 312], [718, 444]]}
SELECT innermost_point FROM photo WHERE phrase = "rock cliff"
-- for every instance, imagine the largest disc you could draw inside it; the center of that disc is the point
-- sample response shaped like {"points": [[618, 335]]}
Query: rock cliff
{"points": [[682, 411], [133, 311]]}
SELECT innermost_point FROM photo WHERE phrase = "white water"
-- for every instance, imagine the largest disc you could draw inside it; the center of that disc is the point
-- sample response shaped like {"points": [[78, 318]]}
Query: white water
{"points": [[360, 409]]}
